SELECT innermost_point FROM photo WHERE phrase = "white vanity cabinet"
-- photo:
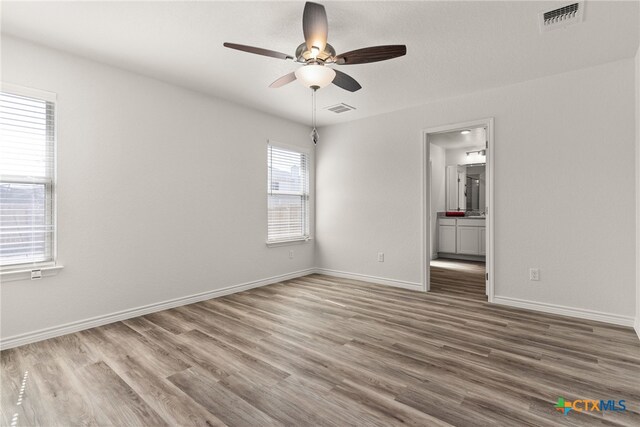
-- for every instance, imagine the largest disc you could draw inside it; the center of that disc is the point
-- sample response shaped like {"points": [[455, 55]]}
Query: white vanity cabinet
{"points": [[468, 240], [462, 236], [447, 235]]}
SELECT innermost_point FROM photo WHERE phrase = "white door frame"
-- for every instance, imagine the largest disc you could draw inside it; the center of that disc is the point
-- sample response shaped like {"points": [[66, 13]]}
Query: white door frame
{"points": [[426, 199]]}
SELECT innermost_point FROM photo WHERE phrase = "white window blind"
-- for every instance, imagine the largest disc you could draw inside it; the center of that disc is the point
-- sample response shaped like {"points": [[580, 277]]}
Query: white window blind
{"points": [[27, 138], [288, 194]]}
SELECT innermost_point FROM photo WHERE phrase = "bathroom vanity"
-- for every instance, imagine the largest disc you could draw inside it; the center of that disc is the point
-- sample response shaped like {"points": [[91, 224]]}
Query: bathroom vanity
{"points": [[463, 237]]}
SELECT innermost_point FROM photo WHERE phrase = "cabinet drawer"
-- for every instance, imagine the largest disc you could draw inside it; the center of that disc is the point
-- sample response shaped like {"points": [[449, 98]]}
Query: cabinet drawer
{"points": [[472, 222], [447, 221]]}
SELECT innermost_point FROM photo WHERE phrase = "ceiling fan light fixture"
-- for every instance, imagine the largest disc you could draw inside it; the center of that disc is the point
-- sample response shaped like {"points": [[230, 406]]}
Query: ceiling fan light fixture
{"points": [[315, 76], [315, 52]]}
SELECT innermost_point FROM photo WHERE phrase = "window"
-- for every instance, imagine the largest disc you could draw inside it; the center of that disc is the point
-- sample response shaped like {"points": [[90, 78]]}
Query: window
{"points": [[288, 194], [27, 185]]}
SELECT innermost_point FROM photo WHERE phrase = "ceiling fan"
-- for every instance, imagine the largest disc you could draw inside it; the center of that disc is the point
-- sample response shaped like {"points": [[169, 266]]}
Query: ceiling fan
{"points": [[315, 53]]}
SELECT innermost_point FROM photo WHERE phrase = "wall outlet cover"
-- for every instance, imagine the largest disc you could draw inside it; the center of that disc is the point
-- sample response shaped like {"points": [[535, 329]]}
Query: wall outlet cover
{"points": [[534, 274]]}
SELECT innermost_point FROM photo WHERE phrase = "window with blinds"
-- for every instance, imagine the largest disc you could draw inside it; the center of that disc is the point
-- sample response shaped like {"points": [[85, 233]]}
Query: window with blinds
{"points": [[27, 140], [288, 194]]}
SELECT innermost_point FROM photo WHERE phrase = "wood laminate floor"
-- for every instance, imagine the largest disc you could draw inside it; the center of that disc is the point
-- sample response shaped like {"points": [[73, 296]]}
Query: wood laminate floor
{"points": [[326, 351], [457, 278]]}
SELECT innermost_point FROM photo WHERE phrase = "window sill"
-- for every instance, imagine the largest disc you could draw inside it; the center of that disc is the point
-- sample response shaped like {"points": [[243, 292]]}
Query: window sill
{"points": [[25, 274], [289, 242]]}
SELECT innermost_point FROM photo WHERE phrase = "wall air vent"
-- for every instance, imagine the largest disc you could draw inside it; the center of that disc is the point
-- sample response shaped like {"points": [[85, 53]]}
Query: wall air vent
{"points": [[561, 17], [340, 108]]}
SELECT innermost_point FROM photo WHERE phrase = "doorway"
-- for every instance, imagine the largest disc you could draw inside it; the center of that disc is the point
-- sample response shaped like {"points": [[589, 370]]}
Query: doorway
{"points": [[458, 209]]}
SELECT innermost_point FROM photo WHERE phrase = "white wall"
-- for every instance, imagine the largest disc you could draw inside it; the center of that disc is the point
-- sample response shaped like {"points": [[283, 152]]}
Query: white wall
{"points": [[161, 192], [458, 156], [438, 191], [547, 133]]}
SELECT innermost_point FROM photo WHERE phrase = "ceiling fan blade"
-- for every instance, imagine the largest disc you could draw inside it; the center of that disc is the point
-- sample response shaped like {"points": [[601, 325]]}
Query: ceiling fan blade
{"points": [[258, 51], [346, 82], [371, 54], [315, 25], [287, 78]]}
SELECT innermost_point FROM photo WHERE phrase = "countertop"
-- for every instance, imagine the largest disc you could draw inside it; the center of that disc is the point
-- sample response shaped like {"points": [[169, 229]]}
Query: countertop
{"points": [[462, 217]]}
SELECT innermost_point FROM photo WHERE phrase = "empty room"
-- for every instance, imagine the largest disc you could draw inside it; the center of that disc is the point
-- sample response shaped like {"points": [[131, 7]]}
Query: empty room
{"points": [[339, 213]]}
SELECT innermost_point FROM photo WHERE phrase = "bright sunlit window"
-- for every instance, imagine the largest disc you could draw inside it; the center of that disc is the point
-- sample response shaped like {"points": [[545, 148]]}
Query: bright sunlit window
{"points": [[27, 177], [288, 194]]}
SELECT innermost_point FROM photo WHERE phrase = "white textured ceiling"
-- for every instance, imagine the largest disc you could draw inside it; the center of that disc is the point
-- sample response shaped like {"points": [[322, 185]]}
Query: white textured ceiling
{"points": [[453, 47]]}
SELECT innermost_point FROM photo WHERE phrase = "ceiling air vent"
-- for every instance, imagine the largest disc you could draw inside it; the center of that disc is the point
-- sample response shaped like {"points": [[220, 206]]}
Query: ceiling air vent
{"points": [[561, 17], [340, 108]]}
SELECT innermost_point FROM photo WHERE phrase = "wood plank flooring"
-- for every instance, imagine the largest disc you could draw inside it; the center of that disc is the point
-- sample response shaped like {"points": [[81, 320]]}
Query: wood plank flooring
{"points": [[457, 278], [325, 351]]}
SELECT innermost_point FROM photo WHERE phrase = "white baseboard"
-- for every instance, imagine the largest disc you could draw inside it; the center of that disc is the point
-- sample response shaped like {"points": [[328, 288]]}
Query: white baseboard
{"points": [[637, 327], [581, 313], [43, 334], [68, 328], [372, 279]]}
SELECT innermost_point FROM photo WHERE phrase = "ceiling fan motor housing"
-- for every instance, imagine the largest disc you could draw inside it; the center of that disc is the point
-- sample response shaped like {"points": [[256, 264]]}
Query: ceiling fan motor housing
{"points": [[304, 55]]}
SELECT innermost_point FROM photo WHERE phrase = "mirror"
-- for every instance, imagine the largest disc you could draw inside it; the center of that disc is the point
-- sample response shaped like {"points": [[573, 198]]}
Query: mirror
{"points": [[466, 187], [475, 187]]}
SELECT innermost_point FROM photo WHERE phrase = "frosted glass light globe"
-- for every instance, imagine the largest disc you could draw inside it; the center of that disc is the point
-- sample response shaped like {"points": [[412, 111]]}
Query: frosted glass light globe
{"points": [[314, 75]]}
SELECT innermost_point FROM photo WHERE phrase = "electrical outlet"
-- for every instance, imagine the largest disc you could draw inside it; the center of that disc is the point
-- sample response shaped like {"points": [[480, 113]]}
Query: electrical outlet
{"points": [[36, 274], [534, 274], [290, 254], [380, 256]]}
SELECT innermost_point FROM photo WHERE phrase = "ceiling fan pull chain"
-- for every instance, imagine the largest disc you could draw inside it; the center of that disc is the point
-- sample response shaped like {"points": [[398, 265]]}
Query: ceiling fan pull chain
{"points": [[314, 132]]}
